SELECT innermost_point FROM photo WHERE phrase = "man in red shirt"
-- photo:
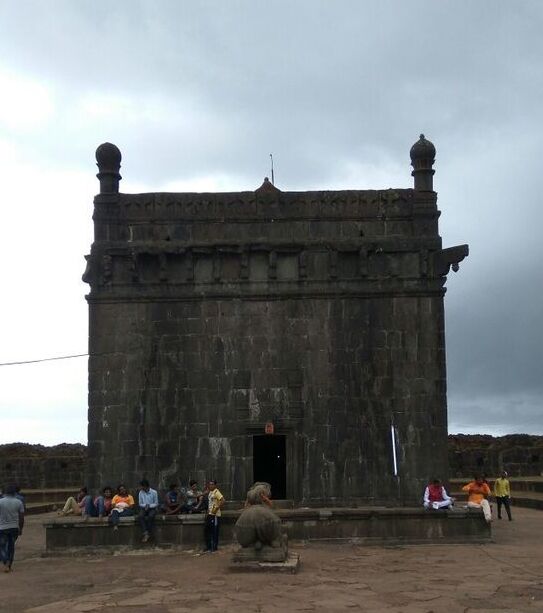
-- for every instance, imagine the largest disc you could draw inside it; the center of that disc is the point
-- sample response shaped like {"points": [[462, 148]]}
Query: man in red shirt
{"points": [[436, 497]]}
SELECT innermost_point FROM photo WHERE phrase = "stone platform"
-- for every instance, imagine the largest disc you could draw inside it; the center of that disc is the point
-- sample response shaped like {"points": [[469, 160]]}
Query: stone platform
{"points": [[371, 525]]}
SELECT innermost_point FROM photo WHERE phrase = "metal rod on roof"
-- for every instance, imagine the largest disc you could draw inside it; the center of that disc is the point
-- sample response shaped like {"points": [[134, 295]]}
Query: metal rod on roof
{"points": [[272, 177]]}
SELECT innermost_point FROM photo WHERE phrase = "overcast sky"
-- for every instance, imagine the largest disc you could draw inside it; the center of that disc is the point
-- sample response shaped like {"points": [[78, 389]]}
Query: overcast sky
{"points": [[197, 94]]}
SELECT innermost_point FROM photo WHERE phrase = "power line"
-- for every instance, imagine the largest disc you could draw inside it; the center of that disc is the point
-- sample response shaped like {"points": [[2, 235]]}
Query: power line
{"points": [[61, 357]]}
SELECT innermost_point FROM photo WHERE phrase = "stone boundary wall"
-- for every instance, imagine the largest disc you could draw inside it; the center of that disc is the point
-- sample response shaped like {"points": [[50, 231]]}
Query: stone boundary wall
{"points": [[60, 466], [41, 467], [521, 455]]}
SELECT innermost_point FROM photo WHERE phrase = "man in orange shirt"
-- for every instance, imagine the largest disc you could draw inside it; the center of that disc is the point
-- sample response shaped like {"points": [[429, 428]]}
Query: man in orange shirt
{"points": [[122, 505], [478, 493]]}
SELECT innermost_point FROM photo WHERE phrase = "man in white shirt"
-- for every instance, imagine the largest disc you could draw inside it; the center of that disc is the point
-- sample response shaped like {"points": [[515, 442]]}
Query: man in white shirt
{"points": [[436, 497], [11, 525], [148, 504]]}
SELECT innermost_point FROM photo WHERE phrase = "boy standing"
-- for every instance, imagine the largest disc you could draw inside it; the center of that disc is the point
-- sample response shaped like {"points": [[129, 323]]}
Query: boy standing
{"points": [[502, 491], [215, 502]]}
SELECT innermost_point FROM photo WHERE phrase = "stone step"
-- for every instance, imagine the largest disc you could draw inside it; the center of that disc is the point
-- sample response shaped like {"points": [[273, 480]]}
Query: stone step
{"points": [[49, 495], [46, 500], [35, 508]]}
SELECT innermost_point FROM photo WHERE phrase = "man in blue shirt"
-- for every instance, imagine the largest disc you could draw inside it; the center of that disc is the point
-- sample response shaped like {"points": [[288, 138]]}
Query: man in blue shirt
{"points": [[148, 503]]}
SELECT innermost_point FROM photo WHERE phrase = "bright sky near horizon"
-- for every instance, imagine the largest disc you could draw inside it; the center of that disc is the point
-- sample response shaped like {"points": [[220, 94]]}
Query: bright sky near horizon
{"points": [[196, 96]]}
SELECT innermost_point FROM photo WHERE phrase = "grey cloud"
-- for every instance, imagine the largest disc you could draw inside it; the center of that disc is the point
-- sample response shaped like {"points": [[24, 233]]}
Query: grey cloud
{"points": [[325, 87], [497, 415], [306, 80]]}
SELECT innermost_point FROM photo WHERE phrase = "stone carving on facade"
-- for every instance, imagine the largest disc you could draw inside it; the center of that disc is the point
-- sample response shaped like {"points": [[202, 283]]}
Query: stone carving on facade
{"points": [[107, 270], [450, 258], [87, 275], [258, 529]]}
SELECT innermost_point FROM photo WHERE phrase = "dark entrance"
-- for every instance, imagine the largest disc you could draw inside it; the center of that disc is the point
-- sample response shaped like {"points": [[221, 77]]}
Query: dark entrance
{"points": [[269, 462]]}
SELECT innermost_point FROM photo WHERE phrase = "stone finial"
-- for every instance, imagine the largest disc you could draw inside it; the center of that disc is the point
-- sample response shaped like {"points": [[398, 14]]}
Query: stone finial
{"points": [[267, 187], [108, 160], [423, 154]]}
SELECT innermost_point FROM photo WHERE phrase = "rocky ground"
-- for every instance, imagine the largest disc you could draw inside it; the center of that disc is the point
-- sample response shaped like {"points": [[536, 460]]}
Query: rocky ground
{"points": [[506, 575]]}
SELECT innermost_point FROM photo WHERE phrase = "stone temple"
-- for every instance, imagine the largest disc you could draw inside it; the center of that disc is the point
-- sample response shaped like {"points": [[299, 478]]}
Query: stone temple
{"points": [[289, 337]]}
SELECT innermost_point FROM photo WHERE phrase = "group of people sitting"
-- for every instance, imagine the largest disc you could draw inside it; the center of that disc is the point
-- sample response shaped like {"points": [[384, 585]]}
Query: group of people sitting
{"points": [[478, 490], [175, 502]]}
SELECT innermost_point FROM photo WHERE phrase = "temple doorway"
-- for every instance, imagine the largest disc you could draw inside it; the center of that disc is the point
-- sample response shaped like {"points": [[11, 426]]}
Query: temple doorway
{"points": [[269, 462]]}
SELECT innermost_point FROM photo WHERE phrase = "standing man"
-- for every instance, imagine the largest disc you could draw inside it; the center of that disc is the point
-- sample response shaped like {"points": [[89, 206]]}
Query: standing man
{"points": [[148, 503], [502, 491], [12, 520], [215, 501], [478, 493]]}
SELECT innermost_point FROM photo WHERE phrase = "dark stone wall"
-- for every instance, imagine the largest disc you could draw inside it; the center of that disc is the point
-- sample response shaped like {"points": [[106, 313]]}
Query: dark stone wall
{"points": [[40, 467], [187, 384], [61, 466], [212, 315], [518, 454]]}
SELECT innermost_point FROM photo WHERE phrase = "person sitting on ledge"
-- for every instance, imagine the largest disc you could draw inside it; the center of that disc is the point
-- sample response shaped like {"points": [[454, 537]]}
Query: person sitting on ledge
{"points": [[172, 502], [76, 506], [101, 505], [122, 505], [478, 493], [436, 497], [148, 504], [193, 499]]}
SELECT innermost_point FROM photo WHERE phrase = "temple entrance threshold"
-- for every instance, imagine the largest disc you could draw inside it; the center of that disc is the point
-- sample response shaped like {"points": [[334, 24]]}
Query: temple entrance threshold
{"points": [[270, 462]]}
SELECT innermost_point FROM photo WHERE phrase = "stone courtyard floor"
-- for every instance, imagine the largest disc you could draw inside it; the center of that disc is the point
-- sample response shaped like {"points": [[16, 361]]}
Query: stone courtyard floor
{"points": [[506, 575]]}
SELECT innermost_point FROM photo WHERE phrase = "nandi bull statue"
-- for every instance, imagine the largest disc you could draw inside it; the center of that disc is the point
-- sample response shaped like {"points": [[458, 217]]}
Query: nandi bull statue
{"points": [[258, 529]]}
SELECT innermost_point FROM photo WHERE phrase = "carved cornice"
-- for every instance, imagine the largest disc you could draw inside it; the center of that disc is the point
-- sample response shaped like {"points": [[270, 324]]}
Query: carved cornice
{"points": [[384, 244], [142, 265], [262, 206]]}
